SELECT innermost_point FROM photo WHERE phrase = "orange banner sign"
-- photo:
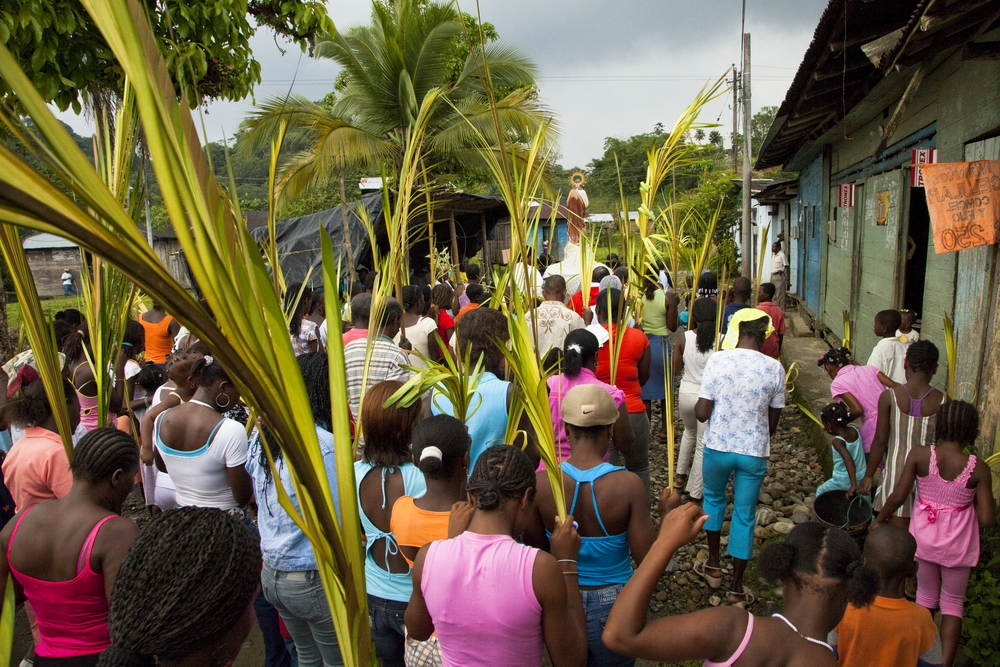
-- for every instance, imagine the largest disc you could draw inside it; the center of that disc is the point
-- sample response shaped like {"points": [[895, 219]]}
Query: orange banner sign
{"points": [[964, 202]]}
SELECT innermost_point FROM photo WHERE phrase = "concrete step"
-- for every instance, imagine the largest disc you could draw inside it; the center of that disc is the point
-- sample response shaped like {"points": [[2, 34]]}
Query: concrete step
{"points": [[798, 325]]}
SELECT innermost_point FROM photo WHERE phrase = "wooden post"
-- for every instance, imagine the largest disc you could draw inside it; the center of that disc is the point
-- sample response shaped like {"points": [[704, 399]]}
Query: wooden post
{"points": [[486, 254], [345, 225], [454, 246]]}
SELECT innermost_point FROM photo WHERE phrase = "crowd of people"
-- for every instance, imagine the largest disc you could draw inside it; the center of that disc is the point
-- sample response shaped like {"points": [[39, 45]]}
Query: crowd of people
{"points": [[466, 559]]}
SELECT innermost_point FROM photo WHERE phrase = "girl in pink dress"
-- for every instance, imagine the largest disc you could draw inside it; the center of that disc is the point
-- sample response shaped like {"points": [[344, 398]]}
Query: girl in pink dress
{"points": [[859, 387], [953, 491]]}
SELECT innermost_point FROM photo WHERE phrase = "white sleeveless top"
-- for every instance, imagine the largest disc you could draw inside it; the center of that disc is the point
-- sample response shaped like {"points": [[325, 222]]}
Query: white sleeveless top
{"points": [[694, 364]]}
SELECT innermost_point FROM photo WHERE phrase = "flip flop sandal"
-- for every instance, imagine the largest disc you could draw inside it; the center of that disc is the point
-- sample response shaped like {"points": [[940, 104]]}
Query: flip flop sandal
{"points": [[748, 598], [699, 569]]}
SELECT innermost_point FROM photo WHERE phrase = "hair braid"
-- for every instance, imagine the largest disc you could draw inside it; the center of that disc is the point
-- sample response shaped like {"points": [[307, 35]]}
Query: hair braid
{"points": [[501, 472], [922, 357], [189, 554], [957, 421], [103, 451]]}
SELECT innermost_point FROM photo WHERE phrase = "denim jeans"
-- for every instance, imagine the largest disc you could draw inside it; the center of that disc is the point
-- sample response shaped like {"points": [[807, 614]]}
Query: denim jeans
{"points": [[748, 474], [275, 653], [388, 630], [299, 599], [597, 605]]}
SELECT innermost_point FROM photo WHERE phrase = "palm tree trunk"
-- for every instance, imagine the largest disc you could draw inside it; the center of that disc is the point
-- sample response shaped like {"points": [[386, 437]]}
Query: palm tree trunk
{"points": [[347, 229], [454, 248]]}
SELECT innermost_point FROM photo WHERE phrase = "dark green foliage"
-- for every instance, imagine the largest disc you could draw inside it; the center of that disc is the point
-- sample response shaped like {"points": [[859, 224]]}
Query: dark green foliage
{"points": [[982, 603], [206, 44]]}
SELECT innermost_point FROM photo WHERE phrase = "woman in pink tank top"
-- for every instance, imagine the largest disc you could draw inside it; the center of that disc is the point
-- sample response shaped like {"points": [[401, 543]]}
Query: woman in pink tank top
{"points": [[81, 373], [484, 594], [64, 553], [819, 567]]}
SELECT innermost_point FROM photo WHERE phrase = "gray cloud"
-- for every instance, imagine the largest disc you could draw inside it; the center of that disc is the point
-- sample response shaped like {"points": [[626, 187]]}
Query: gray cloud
{"points": [[605, 68]]}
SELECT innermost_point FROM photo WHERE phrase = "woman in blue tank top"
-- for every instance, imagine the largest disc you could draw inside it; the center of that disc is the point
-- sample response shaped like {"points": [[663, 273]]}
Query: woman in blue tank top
{"points": [[609, 504]]}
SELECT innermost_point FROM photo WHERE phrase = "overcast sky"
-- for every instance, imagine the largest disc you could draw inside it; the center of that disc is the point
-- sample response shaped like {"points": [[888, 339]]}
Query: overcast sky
{"points": [[605, 68]]}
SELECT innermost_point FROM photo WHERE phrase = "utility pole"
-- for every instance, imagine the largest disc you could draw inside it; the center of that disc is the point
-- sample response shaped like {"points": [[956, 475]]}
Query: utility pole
{"points": [[736, 113], [747, 241]]}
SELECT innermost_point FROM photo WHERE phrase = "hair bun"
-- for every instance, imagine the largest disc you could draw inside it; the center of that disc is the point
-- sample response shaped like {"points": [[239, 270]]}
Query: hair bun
{"points": [[852, 567], [776, 561]]}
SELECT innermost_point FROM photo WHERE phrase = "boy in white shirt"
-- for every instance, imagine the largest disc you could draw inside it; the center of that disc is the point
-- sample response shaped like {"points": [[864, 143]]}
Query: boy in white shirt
{"points": [[890, 353]]}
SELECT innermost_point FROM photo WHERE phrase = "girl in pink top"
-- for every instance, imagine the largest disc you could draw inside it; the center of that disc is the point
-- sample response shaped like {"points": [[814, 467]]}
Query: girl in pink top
{"points": [[579, 366], [484, 594], [819, 567], [64, 554], [859, 387], [953, 491], [76, 347]]}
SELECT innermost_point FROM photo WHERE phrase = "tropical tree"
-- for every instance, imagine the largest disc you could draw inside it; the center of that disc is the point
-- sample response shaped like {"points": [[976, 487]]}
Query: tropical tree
{"points": [[392, 65], [206, 44]]}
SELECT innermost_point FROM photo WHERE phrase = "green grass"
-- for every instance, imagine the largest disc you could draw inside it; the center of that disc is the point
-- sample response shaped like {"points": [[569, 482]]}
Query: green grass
{"points": [[49, 306]]}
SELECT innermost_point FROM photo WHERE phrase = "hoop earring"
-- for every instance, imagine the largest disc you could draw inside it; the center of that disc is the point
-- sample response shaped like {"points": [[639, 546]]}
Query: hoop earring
{"points": [[229, 401]]}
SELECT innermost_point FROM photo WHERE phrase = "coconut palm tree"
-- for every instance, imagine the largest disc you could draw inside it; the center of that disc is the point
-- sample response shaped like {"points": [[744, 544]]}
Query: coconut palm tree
{"points": [[391, 65]]}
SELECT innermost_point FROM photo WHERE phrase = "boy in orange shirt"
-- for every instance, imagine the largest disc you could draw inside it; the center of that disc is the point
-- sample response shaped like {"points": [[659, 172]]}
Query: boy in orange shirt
{"points": [[892, 632]]}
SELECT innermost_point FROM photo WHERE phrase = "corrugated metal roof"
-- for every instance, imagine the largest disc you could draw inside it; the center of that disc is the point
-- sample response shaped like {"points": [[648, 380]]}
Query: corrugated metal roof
{"points": [[46, 241], [834, 76]]}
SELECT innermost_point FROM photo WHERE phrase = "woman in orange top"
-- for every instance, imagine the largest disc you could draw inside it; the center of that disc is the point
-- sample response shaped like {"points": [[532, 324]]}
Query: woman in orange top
{"points": [[633, 370], [160, 332], [440, 446]]}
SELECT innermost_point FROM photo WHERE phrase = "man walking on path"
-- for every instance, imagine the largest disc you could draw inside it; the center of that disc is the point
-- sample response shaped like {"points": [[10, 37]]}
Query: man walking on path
{"points": [[67, 283], [779, 274]]}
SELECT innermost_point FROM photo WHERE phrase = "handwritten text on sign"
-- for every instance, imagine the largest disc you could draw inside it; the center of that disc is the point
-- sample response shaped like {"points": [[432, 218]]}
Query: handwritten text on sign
{"points": [[964, 202]]}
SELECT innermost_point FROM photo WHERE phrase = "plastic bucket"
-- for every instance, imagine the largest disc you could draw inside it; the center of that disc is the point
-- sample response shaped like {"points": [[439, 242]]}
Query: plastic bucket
{"points": [[852, 515]]}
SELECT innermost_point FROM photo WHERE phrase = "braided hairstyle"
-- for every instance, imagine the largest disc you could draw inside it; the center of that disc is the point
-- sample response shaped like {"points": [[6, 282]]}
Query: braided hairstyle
{"points": [[822, 558], [922, 357], [501, 472], [835, 414], [451, 440], [838, 358], [957, 421], [704, 313], [580, 346], [189, 554], [134, 339], [708, 285], [411, 296], [443, 296], [292, 299], [101, 452]]}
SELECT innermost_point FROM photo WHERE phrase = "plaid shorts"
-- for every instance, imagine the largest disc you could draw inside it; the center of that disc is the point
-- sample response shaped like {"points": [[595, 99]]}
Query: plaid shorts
{"points": [[422, 654]]}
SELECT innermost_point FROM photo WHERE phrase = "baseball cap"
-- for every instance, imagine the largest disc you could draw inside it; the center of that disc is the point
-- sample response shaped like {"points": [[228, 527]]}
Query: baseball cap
{"points": [[589, 405]]}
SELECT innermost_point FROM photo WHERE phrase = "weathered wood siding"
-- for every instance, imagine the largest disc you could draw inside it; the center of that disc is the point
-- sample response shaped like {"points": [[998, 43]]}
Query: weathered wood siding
{"points": [[48, 264], [839, 273], [879, 262]]}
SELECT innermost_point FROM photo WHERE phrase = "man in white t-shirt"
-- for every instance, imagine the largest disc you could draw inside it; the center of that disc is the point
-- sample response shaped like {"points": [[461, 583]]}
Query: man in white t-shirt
{"points": [[779, 274], [67, 283]]}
